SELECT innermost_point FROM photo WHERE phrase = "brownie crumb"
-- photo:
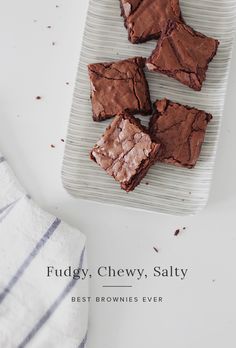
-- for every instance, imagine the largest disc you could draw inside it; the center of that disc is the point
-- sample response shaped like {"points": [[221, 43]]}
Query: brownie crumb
{"points": [[53, 43], [57, 6], [177, 232], [52, 146], [49, 26], [156, 250], [63, 140], [213, 280], [147, 183], [38, 97], [67, 83]]}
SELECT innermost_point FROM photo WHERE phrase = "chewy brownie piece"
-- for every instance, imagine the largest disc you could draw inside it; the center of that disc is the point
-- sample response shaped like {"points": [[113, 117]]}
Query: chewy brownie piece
{"points": [[180, 130], [183, 54], [145, 19], [119, 86], [125, 151]]}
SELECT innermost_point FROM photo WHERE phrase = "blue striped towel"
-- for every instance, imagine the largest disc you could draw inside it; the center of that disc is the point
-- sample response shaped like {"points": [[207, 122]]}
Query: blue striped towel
{"points": [[36, 310]]}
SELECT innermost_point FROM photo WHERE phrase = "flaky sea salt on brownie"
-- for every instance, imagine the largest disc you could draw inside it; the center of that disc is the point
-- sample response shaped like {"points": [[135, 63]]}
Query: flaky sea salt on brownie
{"points": [[125, 151], [183, 54], [180, 130], [117, 87], [145, 19]]}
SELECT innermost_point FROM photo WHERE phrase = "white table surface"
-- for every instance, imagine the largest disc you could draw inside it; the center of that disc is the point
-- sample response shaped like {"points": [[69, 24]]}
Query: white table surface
{"points": [[196, 312]]}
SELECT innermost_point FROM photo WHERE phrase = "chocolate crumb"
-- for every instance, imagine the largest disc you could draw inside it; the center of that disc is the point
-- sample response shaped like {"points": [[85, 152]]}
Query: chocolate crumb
{"points": [[38, 97], [147, 183], [67, 83], [156, 250], [57, 6], [49, 26], [53, 146], [63, 140], [53, 43], [35, 20], [213, 280], [177, 232]]}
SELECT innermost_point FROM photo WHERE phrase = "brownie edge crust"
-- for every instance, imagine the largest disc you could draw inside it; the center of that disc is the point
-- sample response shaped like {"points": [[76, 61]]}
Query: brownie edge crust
{"points": [[125, 151]]}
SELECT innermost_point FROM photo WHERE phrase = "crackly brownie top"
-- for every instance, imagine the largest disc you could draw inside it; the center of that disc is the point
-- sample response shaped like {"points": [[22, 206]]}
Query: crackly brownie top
{"points": [[119, 86], [145, 19], [123, 147], [181, 130], [183, 53]]}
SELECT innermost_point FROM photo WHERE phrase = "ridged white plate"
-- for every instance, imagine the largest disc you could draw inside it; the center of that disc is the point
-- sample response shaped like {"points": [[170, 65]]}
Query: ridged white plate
{"points": [[170, 189]]}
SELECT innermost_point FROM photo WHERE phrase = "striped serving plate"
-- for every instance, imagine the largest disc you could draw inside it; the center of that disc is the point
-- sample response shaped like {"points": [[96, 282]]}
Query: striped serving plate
{"points": [[171, 190]]}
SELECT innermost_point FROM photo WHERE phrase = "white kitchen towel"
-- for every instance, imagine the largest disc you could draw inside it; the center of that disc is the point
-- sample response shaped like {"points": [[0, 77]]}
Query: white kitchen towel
{"points": [[36, 310]]}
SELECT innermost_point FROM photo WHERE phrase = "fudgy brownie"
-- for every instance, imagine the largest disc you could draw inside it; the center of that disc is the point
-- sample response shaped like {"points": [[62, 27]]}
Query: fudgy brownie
{"points": [[145, 19], [180, 130], [119, 86], [125, 151], [183, 54]]}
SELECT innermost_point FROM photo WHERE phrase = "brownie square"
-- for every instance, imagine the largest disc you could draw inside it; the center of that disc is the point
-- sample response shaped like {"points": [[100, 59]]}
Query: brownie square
{"points": [[180, 130], [125, 151], [145, 19], [119, 86], [183, 54]]}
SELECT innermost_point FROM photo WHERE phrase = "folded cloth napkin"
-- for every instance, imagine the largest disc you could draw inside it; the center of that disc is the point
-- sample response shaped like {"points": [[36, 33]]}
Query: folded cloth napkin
{"points": [[36, 310]]}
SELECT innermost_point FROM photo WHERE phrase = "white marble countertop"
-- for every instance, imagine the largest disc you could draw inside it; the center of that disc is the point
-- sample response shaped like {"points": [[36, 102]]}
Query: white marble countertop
{"points": [[40, 44]]}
